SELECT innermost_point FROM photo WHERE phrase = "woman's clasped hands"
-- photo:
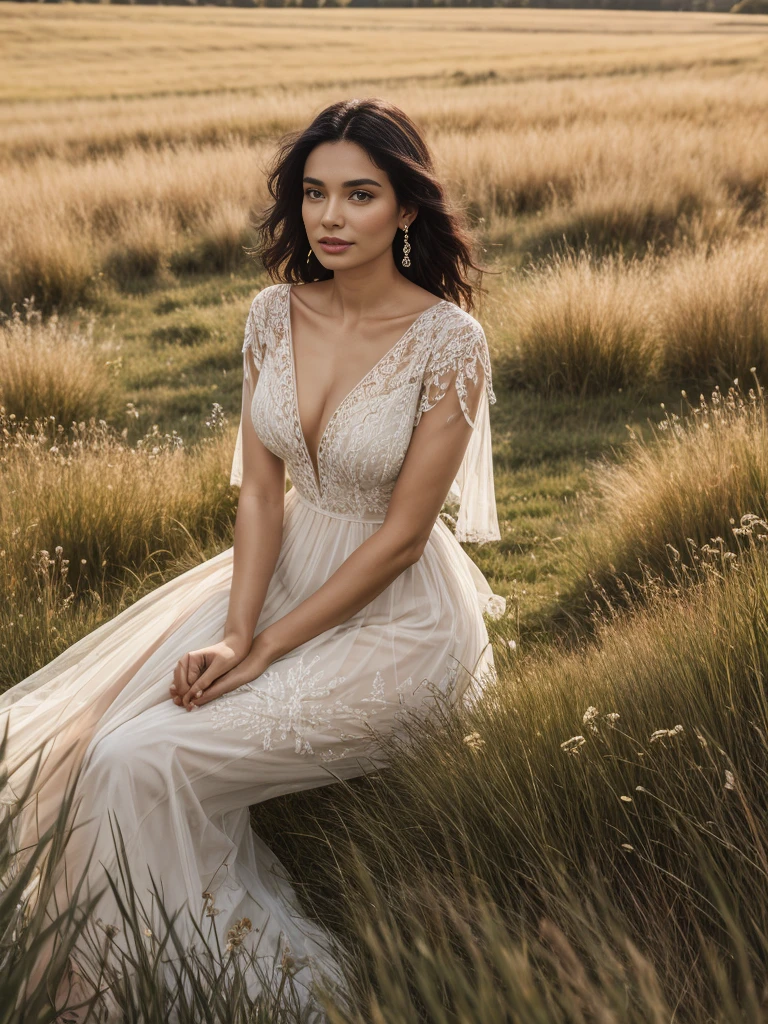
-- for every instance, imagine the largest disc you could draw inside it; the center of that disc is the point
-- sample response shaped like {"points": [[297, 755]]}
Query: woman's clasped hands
{"points": [[203, 675]]}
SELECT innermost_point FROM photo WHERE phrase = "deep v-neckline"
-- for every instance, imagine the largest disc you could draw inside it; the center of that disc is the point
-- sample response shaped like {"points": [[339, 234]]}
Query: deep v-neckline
{"points": [[295, 392]]}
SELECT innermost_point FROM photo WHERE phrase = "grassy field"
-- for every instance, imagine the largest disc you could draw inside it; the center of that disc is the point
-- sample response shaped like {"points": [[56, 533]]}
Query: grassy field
{"points": [[614, 169]]}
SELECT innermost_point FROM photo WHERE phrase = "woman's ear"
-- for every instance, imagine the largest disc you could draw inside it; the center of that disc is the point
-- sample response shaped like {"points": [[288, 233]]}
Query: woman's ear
{"points": [[409, 213]]}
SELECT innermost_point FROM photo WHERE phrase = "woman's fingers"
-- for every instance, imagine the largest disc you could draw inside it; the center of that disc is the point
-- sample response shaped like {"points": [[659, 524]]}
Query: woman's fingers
{"points": [[203, 677], [185, 675], [180, 683], [224, 684]]}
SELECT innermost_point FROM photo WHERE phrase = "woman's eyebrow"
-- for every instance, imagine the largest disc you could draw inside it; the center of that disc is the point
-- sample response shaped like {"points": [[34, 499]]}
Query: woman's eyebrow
{"points": [[346, 184]]}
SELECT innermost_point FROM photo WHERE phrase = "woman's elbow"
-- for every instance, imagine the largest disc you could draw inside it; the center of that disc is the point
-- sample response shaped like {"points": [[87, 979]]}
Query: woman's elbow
{"points": [[405, 549]]}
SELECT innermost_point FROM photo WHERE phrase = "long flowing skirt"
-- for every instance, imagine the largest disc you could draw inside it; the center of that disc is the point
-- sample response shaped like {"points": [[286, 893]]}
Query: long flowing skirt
{"points": [[180, 784]]}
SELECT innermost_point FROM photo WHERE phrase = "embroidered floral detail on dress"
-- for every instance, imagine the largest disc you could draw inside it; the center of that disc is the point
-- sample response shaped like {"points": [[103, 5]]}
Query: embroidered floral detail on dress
{"points": [[296, 702]]}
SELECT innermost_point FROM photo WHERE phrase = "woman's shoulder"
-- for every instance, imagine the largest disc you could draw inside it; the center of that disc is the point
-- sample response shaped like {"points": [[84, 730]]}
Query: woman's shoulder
{"points": [[457, 327], [458, 346], [265, 295]]}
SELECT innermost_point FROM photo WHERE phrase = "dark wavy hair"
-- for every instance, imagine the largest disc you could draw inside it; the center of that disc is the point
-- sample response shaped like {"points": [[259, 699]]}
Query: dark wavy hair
{"points": [[441, 253]]}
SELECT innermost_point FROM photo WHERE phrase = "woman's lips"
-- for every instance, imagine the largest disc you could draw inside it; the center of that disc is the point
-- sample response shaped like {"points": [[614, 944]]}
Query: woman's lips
{"points": [[334, 247]]}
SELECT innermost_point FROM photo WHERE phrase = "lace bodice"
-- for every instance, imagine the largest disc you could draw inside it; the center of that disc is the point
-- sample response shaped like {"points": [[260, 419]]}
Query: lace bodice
{"points": [[365, 441]]}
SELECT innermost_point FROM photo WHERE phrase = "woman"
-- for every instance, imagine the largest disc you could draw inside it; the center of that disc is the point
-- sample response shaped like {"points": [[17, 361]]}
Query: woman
{"points": [[270, 667]]}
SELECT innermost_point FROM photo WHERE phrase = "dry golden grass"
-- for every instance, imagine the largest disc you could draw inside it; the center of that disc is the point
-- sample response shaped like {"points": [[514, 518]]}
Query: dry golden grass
{"points": [[55, 369], [141, 158], [151, 161], [699, 95], [119, 514], [104, 50], [619, 162], [698, 315], [679, 498]]}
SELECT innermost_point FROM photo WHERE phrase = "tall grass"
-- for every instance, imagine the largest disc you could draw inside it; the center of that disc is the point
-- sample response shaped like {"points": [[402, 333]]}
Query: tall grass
{"points": [[675, 501], [54, 368], [87, 519], [569, 166], [578, 326], [64, 964], [583, 325], [587, 842], [713, 313]]}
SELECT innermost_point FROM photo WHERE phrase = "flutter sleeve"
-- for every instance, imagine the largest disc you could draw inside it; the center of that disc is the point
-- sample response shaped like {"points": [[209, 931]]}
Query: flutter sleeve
{"points": [[460, 354], [253, 356]]}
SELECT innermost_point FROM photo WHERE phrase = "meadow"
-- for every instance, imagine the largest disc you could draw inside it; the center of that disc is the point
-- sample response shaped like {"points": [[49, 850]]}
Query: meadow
{"points": [[589, 842]]}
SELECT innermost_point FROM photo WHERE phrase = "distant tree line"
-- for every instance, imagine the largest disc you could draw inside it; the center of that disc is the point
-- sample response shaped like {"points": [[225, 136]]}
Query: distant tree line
{"points": [[733, 6]]}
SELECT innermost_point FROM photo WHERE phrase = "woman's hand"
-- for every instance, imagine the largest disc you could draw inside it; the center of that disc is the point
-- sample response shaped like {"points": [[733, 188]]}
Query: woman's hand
{"points": [[203, 675], [200, 668]]}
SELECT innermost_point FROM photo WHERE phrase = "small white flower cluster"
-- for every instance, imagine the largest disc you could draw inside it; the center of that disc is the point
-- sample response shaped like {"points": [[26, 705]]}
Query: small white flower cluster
{"points": [[592, 713], [665, 733], [209, 905], [237, 934], [218, 418], [474, 741], [589, 717], [572, 745], [750, 524]]}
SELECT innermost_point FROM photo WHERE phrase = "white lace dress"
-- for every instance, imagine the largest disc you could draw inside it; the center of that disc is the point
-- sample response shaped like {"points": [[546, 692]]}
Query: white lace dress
{"points": [[180, 784]]}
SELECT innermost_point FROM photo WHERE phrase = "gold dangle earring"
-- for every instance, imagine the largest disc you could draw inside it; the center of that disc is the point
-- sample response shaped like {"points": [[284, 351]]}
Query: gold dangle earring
{"points": [[406, 248], [309, 254]]}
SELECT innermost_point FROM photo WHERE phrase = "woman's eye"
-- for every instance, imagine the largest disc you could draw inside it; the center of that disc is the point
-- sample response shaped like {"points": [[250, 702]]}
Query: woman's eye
{"points": [[358, 192]]}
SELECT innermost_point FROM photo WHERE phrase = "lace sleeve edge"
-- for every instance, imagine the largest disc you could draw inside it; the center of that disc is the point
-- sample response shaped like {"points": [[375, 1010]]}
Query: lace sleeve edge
{"points": [[253, 335], [456, 362]]}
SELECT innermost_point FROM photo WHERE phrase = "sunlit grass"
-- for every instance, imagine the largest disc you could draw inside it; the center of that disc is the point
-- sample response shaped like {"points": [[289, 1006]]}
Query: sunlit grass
{"points": [[678, 501], [579, 324], [88, 521], [588, 839], [132, 51], [54, 368]]}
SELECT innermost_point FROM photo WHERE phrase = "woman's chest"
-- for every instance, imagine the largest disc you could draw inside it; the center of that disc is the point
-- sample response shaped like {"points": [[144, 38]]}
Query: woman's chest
{"points": [[366, 436]]}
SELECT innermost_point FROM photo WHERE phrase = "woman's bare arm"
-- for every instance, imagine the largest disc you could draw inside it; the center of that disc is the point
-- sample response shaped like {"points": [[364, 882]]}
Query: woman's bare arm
{"points": [[258, 527], [257, 542]]}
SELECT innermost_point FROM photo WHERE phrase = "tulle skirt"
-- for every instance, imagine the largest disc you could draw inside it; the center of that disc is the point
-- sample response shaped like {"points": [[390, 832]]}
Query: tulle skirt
{"points": [[179, 784]]}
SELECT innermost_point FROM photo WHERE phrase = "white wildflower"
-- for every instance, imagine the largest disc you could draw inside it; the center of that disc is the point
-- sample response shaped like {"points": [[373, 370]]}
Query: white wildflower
{"points": [[613, 717], [730, 781], [237, 933], [474, 741], [209, 905], [665, 733], [571, 746], [589, 718]]}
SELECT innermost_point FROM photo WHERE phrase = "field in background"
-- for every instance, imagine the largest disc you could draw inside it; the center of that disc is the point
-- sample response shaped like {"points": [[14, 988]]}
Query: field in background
{"points": [[614, 169], [102, 51]]}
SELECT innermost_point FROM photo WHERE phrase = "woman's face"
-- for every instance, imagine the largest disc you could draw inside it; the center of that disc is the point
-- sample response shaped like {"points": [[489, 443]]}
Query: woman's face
{"points": [[348, 199]]}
